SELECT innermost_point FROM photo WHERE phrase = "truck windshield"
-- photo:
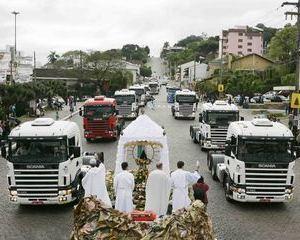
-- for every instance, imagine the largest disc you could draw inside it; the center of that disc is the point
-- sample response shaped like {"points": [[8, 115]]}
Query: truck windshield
{"points": [[125, 99], [186, 98], [265, 151], [139, 92], [221, 118], [98, 111], [37, 150], [153, 85]]}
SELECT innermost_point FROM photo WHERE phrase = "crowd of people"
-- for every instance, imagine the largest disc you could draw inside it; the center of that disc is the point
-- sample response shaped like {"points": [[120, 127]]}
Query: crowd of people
{"points": [[157, 198]]}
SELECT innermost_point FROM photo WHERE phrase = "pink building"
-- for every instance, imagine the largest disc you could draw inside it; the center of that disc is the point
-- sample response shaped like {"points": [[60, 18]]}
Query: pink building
{"points": [[242, 41]]}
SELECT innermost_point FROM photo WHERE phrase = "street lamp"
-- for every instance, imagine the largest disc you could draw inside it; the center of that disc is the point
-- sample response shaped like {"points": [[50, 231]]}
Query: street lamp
{"points": [[15, 13]]}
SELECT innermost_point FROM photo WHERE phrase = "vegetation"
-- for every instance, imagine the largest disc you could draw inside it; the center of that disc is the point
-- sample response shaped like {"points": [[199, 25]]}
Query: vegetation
{"points": [[145, 71]]}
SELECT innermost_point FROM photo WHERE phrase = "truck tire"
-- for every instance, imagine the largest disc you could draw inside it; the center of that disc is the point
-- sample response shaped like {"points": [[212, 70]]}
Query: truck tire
{"points": [[213, 172], [226, 185], [209, 161], [194, 138]]}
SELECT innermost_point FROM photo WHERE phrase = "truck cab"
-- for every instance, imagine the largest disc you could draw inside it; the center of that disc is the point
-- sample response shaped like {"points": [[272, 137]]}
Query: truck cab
{"points": [[154, 87], [258, 164], [126, 104], [140, 93], [43, 162], [100, 118], [214, 120], [185, 104]]}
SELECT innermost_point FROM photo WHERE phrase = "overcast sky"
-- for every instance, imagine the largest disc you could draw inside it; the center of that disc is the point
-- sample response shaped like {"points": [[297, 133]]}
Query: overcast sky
{"points": [[62, 25]]}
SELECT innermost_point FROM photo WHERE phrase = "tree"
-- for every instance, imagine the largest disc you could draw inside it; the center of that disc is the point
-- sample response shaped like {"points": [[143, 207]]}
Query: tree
{"points": [[135, 53], [52, 57], [192, 38], [268, 33], [146, 71], [283, 45]]}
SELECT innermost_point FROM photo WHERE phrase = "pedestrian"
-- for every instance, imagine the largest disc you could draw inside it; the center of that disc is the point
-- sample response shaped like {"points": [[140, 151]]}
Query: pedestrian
{"points": [[157, 198], [123, 186], [180, 181], [200, 191], [93, 183]]}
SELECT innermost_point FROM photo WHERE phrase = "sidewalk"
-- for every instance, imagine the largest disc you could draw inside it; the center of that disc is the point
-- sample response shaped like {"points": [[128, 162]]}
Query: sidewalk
{"points": [[63, 114]]}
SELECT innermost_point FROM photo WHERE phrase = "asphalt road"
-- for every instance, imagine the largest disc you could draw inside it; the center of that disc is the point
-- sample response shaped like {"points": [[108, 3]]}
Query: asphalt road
{"points": [[230, 220]]}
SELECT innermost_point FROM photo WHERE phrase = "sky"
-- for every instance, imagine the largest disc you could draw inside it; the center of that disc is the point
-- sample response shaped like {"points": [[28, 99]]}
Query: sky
{"points": [[62, 25]]}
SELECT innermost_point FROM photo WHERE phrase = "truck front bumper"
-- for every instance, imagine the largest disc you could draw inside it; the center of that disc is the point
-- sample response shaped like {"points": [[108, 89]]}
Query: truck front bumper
{"points": [[210, 146], [59, 199], [132, 115], [242, 197], [107, 134], [178, 115]]}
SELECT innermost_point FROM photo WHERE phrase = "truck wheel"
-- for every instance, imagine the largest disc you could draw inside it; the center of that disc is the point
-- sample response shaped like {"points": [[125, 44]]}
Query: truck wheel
{"points": [[193, 135], [227, 191], [202, 146], [209, 161]]}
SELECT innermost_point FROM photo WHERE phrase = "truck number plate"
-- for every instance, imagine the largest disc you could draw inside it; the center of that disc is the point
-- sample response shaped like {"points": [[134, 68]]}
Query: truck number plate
{"points": [[37, 202], [265, 200]]}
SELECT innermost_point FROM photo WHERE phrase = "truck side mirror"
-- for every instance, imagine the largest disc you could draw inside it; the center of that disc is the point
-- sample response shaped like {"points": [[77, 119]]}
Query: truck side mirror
{"points": [[227, 150], [3, 152], [117, 112], [200, 117], [80, 112], [76, 152], [242, 119]]}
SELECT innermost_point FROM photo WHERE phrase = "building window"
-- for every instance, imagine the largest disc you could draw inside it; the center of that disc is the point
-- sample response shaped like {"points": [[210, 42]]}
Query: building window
{"points": [[249, 50], [224, 47], [240, 53], [249, 43], [240, 46], [241, 34], [249, 37], [240, 40]]}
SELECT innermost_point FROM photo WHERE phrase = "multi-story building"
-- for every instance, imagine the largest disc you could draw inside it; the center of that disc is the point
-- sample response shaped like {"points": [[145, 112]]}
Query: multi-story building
{"points": [[241, 41]]}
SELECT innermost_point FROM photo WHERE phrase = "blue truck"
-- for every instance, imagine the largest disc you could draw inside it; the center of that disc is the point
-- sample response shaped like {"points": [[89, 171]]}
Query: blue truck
{"points": [[171, 93]]}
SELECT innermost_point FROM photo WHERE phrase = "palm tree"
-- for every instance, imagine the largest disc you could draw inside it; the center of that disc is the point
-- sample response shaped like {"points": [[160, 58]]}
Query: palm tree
{"points": [[52, 57]]}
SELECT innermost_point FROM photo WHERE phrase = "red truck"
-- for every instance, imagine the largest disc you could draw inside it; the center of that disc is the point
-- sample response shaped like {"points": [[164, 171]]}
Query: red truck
{"points": [[100, 119]]}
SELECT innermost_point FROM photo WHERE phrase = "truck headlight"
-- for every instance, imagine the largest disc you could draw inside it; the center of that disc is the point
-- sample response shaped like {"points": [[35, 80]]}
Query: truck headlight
{"points": [[240, 190], [13, 193]]}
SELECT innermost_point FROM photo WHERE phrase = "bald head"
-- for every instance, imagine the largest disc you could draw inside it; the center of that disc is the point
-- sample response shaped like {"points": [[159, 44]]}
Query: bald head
{"points": [[159, 165]]}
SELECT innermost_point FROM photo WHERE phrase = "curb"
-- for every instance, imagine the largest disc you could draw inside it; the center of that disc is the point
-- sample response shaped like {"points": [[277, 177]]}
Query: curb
{"points": [[70, 115]]}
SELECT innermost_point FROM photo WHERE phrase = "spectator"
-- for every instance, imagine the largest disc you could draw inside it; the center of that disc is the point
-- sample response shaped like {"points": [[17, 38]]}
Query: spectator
{"points": [[200, 191]]}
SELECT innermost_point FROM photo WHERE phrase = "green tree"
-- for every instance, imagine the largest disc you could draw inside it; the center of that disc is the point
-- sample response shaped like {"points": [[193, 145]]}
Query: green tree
{"points": [[268, 33], [145, 71], [52, 57]]}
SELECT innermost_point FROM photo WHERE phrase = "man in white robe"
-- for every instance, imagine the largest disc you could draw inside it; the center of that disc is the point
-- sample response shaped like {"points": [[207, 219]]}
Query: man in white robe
{"points": [[158, 189], [180, 181], [94, 183], [123, 186]]}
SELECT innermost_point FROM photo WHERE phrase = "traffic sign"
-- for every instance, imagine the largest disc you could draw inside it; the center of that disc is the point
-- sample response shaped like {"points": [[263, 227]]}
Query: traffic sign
{"points": [[295, 102], [220, 88]]}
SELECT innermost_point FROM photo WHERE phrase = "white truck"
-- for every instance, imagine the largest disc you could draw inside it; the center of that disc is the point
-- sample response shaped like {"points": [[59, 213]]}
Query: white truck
{"points": [[214, 120], [154, 87], [140, 93], [126, 104], [258, 164], [185, 104], [43, 162]]}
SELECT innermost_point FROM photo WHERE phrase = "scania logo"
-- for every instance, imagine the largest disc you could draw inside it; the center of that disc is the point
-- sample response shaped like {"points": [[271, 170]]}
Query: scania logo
{"points": [[266, 165], [35, 166]]}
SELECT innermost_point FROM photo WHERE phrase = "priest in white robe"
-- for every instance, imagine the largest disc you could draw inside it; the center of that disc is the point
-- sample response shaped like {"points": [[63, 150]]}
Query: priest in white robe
{"points": [[180, 181], [94, 183], [123, 186], [158, 189]]}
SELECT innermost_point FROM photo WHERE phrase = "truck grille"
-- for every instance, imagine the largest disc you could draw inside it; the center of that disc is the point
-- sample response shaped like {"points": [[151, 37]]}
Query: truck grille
{"points": [[153, 90], [218, 135], [185, 109], [36, 183], [124, 109], [266, 182], [97, 125]]}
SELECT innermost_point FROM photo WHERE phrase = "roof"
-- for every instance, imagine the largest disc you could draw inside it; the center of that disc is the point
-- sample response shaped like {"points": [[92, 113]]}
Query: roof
{"points": [[101, 101], [124, 92], [252, 54], [259, 127], [45, 127], [219, 106], [185, 92]]}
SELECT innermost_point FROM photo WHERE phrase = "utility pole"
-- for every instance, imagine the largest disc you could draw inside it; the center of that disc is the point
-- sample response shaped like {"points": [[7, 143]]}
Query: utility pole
{"points": [[15, 13], [221, 63], [13, 58], [34, 67], [297, 14]]}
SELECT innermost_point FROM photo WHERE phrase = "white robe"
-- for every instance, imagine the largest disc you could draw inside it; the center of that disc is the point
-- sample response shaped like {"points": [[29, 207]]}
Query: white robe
{"points": [[180, 181], [158, 189], [94, 184], [124, 185]]}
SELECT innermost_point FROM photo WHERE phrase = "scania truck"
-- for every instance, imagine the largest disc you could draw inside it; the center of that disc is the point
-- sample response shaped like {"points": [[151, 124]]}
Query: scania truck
{"points": [[126, 104], [140, 93], [258, 164], [214, 120], [100, 119], [185, 104], [154, 87], [43, 162]]}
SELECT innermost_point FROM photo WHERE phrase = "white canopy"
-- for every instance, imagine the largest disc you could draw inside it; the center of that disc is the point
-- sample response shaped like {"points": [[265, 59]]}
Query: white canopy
{"points": [[143, 129]]}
